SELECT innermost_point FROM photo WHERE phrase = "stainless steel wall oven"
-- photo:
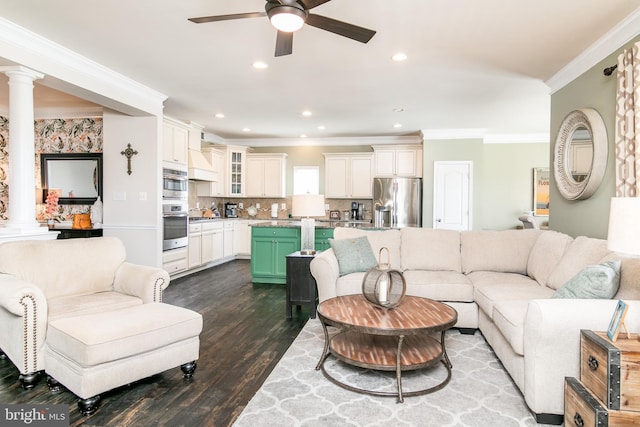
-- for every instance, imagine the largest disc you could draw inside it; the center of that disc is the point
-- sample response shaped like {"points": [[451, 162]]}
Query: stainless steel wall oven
{"points": [[175, 224], [175, 184]]}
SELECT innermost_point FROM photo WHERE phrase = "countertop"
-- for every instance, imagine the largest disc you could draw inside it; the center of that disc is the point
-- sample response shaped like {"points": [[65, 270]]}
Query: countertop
{"points": [[284, 223]]}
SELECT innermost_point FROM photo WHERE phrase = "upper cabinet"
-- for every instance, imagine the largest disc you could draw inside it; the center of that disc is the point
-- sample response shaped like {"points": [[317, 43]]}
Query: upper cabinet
{"points": [[266, 175], [230, 163], [216, 158], [398, 160], [348, 175], [175, 142]]}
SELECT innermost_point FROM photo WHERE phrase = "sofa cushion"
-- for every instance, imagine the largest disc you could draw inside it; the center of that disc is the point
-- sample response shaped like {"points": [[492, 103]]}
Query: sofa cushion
{"points": [[64, 267], [353, 254], [593, 281], [508, 316], [439, 285], [581, 252], [378, 239], [629, 275], [545, 255], [492, 287], [429, 249], [501, 251]]}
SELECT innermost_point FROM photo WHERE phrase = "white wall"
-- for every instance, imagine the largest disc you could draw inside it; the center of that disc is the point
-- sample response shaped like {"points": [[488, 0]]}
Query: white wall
{"points": [[137, 222]]}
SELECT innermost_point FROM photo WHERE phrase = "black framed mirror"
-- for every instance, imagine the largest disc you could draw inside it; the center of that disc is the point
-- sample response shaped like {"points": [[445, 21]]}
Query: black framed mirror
{"points": [[77, 177]]}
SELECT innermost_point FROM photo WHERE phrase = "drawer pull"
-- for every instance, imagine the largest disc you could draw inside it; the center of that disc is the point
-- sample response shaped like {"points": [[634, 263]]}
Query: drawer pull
{"points": [[577, 420], [593, 363]]}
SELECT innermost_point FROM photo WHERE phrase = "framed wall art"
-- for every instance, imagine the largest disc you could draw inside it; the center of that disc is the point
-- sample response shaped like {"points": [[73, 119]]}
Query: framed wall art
{"points": [[541, 191]]}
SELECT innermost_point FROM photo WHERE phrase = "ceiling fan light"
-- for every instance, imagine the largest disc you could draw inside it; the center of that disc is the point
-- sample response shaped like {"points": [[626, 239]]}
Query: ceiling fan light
{"points": [[287, 18]]}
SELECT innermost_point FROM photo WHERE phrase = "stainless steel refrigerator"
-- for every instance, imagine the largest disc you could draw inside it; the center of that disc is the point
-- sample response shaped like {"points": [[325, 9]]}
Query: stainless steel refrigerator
{"points": [[397, 202]]}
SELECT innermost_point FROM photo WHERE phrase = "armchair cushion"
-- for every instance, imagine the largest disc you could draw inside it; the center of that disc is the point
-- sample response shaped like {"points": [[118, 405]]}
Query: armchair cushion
{"points": [[64, 267]]}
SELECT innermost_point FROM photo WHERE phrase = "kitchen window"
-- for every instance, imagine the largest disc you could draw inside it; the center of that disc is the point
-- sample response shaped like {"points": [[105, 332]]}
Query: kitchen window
{"points": [[306, 180]]}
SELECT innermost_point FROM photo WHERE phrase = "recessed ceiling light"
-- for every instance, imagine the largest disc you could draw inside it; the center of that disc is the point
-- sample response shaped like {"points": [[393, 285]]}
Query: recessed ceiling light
{"points": [[399, 56], [219, 116], [307, 113], [260, 65], [303, 136], [397, 125], [321, 127], [246, 130]]}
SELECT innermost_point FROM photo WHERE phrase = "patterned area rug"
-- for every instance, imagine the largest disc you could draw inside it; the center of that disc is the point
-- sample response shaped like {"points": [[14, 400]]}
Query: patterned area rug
{"points": [[479, 394]]}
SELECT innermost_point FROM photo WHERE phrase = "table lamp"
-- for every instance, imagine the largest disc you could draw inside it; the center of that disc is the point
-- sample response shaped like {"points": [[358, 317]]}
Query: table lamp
{"points": [[307, 206], [624, 225]]}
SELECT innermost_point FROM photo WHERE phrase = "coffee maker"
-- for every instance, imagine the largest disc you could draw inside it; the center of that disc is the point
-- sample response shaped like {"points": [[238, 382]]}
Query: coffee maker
{"points": [[231, 210], [354, 211]]}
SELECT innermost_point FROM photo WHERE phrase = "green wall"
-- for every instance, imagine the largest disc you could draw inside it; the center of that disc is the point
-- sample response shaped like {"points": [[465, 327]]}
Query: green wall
{"points": [[590, 90], [502, 179]]}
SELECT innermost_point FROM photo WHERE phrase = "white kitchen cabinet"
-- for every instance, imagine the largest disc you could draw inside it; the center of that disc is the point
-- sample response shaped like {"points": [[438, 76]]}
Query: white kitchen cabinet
{"points": [[211, 244], [215, 157], [398, 160], [348, 175], [242, 248], [230, 163], [266, 175], [195, 245], [229, 237], [175, 142], [175, 260]]}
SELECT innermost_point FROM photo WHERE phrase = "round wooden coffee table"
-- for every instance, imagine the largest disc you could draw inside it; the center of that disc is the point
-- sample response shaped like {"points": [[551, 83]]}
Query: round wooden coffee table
{"points": [[387, 340]]}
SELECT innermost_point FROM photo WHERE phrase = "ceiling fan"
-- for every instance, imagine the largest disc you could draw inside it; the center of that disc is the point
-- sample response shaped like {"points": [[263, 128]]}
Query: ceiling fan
{"points": [[288, 16]]}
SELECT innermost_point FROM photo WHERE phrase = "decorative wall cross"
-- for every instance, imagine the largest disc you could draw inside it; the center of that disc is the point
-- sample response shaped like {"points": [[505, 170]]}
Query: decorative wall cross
{"points": [[129, 153]]}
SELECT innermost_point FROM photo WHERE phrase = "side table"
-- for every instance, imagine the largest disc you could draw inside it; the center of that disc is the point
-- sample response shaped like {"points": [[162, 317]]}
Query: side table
{"points": [[301, 286]]}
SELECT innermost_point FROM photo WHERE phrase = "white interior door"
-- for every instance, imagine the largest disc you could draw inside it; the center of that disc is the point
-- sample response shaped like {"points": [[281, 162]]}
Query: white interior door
{"points": [[452, 195]]}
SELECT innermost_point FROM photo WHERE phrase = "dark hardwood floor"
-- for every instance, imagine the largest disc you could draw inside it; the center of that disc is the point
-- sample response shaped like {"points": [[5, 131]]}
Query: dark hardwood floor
{"points": [[245, 334]]}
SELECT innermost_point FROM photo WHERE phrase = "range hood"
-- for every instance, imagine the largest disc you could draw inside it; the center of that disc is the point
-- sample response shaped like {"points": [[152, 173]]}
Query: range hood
{"points": [[199, 167]]}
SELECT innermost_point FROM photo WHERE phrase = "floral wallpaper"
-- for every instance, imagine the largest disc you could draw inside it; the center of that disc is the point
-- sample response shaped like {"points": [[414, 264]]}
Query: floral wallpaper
{"points": [[80, 135]]}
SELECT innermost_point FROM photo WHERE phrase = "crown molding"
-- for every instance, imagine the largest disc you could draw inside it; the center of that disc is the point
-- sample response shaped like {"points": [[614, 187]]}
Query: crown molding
{"points": [[73, 73], [470, 133], [517, 138], [296, 142], [603, 47]]}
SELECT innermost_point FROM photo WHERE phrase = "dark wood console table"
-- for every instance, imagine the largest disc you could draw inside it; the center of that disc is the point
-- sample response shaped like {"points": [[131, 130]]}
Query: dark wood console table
{"points": [[301, 286], [76, 233]]}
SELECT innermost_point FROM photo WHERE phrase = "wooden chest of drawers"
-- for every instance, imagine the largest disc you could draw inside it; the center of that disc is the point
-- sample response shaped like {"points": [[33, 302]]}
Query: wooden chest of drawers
{"points": [[611, 370], [608, 393]]}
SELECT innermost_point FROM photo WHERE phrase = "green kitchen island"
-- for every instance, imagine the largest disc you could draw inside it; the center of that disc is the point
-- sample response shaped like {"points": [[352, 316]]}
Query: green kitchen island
{"points": [[272, 241]]}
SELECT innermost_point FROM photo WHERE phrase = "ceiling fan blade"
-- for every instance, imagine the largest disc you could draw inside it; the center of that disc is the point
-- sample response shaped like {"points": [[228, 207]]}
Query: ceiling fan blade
{"points": [[284, 43], [363, 35], [310, 4], [204, 19]]}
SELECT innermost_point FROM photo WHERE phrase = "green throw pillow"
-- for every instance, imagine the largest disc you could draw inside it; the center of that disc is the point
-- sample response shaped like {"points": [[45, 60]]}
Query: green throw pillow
{"points": [[353, 254], [594, 281]]}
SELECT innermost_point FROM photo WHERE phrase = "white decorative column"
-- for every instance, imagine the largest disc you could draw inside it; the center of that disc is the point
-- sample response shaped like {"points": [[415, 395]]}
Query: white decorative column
{"points": [[22, 204]]}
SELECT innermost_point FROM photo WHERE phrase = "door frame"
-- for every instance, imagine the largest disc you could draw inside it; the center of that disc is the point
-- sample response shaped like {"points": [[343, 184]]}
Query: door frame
{"points": [[469, 164]]}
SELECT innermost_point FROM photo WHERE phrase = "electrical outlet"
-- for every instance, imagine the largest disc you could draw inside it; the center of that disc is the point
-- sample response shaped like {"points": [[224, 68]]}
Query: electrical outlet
{"points": [[257, 205], [240, 205], [283, 206], [326, 207]]}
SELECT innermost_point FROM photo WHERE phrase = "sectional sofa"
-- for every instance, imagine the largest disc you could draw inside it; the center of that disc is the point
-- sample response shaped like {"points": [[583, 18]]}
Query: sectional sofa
{"points": [[503, 283]]}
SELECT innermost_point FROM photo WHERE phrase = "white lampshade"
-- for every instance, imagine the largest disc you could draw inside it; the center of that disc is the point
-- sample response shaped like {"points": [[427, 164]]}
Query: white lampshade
{"points": [[624, 225], [307, 205]]}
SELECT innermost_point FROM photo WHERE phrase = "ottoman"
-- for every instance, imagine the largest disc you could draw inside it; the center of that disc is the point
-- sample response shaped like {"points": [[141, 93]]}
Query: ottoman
{"points": [[94, 353]]}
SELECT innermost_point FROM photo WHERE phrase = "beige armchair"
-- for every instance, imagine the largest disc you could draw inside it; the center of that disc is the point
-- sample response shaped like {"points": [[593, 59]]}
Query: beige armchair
{"points": [[45, 280]]}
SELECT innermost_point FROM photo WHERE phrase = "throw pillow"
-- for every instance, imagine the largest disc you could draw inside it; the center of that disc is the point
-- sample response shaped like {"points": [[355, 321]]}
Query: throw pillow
{"points": [[353, 255], [594, 281]]}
